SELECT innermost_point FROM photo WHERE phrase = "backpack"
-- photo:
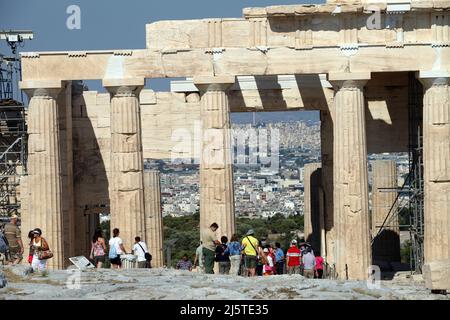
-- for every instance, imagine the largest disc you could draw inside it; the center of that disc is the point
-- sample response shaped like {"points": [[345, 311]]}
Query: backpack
{"points": [[112, 252], [4, 245]]}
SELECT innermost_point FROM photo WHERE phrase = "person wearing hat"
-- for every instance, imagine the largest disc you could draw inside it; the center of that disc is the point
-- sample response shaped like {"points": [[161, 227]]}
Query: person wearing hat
{"points": [[293, 258], [13, 235], [251, 249]]}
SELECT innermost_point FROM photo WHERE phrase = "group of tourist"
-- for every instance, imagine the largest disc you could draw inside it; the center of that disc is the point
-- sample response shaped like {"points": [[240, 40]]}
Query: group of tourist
{"points": [[250, 257], [12, 248], [117, 249], [247, 256]]}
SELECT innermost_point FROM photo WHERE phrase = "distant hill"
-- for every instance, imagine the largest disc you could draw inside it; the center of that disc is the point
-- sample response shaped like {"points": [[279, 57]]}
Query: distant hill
{"points": [[268, 117]]}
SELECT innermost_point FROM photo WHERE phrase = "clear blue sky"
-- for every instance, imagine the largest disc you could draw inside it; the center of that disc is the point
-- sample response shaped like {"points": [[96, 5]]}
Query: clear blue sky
{"points": [[110, 24]]}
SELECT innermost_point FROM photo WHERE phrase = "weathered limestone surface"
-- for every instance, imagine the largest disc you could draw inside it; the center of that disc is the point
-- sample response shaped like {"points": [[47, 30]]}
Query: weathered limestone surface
{"points": [[153, 217], [386, 246], [44, 182], [437, 275], [312, 183], [436, 160], [216, 167], [127, 181], [351, 203]]}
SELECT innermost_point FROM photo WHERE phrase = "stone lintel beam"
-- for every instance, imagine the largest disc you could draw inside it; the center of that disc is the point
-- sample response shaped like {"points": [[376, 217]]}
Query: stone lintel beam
{"points": [[182, 62]]}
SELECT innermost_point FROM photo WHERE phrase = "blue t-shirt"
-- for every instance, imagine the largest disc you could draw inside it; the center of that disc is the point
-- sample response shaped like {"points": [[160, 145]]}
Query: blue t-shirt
{"points": [[279, 254], [234, 248]]}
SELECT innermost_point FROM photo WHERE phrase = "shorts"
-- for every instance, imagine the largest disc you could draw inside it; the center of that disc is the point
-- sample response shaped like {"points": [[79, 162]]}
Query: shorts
{"points": [[14, 254], [250, 262], [98, 259], [117, 261]]}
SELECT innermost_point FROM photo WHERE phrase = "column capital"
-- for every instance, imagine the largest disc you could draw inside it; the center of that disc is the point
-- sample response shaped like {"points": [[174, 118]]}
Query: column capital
{"points": [[348, 79], [214, 83], [433, 78], [41, 88], [124, 86]]}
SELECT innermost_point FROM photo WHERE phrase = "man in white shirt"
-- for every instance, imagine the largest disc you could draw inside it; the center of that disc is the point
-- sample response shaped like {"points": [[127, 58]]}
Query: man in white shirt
{"points": [[139, 250]]}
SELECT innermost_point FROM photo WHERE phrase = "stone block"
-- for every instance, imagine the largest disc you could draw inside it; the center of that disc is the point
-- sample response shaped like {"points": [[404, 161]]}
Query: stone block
{"points": [[437, 275]]}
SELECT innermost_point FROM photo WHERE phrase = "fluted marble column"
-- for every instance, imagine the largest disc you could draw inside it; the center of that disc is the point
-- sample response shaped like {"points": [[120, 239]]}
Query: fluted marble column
{"points": [[216, 167], [153, 217], [436, 162], [326, 141], [44, 185], [311, 183], [127, 185], [351, 203], [386, 246]]}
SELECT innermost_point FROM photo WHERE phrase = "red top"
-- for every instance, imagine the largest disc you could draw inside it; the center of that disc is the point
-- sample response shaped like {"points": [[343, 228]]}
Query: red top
{"points": [[319, 263], [294, 256]]}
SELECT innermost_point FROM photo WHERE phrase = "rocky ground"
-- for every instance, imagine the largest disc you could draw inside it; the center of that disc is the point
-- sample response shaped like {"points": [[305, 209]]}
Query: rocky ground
{"points": [[173, 284]]}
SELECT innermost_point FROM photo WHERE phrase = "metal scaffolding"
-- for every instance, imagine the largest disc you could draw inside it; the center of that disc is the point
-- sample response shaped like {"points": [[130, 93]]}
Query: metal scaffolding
{"points": [[410, 197], [13, 130]]}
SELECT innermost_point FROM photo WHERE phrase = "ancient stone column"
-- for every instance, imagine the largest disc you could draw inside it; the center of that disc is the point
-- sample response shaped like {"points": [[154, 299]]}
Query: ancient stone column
{"points": [[44, 186], [386, 245], [127, 180], [351, 203], [216, 167], [153, 217], [436, 162], [311, 182], [326, 141]]}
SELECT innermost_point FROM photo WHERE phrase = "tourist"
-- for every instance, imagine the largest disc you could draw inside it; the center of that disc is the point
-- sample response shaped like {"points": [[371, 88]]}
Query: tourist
{"points": [[13, 235], [198, 260], [293, 258], [209, 246], [41, 252], [319, 267], [98, 249], [223, 258], [184, 263], [139, 250], [234, 250], [268, 265], [279, 259], [30, 247], [116, 248], [3, 249], [309, 264], [260, 260], [250, 245]]}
